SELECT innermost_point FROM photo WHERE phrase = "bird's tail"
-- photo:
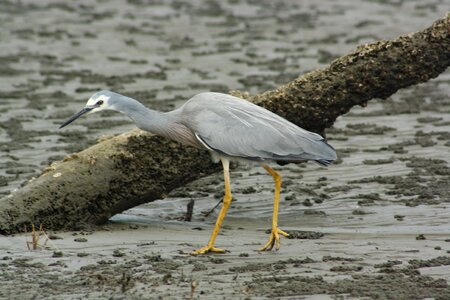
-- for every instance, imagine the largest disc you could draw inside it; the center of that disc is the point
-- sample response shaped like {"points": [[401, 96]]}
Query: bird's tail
{"points": [[330, 155], [324, 162]]}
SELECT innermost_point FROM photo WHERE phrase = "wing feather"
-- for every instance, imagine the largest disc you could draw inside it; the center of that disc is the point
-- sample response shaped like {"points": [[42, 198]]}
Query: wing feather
{"points": [[236, 127]]}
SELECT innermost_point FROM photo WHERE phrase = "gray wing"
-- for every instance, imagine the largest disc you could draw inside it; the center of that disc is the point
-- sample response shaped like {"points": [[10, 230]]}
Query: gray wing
{"points": [[236, 127]]}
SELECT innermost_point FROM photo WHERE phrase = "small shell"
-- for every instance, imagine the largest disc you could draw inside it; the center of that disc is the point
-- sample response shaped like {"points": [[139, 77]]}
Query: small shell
{"points": [[56, 175]]}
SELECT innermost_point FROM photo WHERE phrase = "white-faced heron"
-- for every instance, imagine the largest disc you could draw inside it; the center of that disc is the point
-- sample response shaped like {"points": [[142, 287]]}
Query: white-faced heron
{"points": [[230, 128]]}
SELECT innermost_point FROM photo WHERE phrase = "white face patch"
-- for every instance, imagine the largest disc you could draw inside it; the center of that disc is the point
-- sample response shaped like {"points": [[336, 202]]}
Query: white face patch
{"points": [[93, 101], [103, 97]]}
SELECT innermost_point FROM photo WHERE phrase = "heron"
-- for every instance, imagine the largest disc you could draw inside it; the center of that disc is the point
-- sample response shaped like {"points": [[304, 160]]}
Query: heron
{"points": [[230, 128]]}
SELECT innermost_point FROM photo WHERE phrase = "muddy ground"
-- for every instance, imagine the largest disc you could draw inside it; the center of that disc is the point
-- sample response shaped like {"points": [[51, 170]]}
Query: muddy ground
{"points": [[376, 222]]}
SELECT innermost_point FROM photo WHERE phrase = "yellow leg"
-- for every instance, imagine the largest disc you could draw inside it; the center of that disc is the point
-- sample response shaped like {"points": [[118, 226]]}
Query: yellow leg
{"points": [[226, 203], [274, 239]]}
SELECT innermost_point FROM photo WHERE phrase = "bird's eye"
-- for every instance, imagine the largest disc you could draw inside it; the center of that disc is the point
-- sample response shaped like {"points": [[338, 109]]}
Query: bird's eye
{"points": [[100, 102]]}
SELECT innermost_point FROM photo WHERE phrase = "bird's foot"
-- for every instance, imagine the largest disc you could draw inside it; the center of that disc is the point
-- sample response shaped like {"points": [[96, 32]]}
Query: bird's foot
{"points": [[274, 239], [208, 249]]}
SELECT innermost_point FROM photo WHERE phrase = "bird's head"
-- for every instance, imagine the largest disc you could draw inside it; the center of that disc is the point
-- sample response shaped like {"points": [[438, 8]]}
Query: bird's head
{"points": [[102, 100]]}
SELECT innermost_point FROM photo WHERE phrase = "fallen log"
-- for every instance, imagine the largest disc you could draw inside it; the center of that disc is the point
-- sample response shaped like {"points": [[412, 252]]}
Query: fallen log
{"points": [[136, 167]]}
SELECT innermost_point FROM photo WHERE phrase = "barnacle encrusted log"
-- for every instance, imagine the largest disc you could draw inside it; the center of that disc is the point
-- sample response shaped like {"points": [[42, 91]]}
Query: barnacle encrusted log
{"points": [[133, 168], [375, 70]]}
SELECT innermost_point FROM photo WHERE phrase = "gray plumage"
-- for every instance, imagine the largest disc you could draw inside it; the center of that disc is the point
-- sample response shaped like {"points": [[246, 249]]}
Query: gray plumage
{"points": [[226, 125], [230, 128]]}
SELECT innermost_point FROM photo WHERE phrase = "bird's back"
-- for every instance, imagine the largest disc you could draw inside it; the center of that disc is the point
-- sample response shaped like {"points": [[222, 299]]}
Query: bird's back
{"points": [[239, 128]]}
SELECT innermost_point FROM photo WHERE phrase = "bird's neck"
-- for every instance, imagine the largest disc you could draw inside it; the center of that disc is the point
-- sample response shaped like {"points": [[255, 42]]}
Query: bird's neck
{"points": [[145, 118], [164, 124]]}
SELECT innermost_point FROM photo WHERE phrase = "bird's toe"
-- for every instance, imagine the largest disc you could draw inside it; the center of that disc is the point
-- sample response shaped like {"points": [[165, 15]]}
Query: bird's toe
{"points": [[274, 240], [208, 249]]}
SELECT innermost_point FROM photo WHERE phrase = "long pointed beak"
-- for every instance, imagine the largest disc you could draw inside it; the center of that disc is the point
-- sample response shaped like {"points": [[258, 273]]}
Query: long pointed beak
{"points": [[77, 115]]}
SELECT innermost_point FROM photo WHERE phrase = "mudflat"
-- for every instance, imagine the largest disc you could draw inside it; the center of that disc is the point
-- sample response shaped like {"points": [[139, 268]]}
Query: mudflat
{"points": [[372, 226]]}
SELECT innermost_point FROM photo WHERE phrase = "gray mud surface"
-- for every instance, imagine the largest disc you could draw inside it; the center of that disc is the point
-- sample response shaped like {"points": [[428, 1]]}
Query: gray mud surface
{"points": [[375, 225]]}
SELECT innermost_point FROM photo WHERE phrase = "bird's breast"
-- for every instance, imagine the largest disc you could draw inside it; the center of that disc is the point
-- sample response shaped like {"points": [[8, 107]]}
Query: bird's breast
{"points": [[180, 133]]}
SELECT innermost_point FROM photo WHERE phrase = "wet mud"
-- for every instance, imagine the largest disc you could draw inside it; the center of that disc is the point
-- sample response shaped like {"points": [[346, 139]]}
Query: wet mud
{"points": [[373, 225]]}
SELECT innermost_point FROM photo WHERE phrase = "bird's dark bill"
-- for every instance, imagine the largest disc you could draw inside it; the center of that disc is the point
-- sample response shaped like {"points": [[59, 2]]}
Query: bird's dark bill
{"points": [[76, 116]]}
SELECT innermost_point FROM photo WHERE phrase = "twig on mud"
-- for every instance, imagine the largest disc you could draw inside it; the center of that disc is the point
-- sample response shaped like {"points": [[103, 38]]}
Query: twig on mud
{"points": [[125, 282], [190, 210], [206, 214], [35, 237], [193, 286]]}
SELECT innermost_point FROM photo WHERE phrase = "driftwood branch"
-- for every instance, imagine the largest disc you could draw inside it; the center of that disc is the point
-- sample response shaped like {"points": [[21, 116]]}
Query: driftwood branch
{"points": [[116, 174]]}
